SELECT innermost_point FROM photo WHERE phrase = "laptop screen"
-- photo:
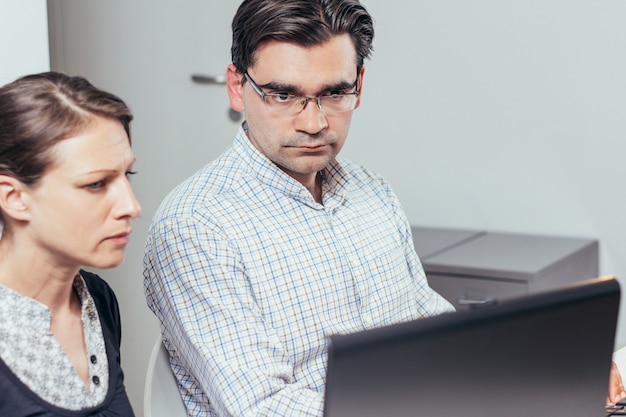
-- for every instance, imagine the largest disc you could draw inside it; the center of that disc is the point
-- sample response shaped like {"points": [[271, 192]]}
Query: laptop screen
{"points": [[538, 355]]}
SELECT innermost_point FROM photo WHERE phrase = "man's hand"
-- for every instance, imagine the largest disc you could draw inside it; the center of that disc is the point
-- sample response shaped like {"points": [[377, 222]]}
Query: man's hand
{"points": [[616, 387]]}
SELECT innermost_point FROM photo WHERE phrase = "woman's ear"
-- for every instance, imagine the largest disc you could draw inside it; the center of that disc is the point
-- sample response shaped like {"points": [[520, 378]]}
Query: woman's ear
{"points": [[13, 198], [235, 88]]}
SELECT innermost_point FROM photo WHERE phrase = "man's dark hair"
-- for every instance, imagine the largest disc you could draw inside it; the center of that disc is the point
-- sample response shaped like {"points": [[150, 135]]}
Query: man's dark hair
{"points": [[302, 22]]}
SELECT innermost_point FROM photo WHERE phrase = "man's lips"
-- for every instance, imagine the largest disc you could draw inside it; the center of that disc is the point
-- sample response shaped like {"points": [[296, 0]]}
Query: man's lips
{"points": [[312, 148]]}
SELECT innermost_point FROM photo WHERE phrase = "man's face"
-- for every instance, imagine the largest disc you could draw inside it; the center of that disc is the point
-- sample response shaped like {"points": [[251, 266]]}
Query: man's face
{"points": [[301, 144]]}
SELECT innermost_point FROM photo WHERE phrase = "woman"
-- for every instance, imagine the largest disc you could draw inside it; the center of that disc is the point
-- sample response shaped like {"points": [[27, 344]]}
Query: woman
{"points": [[65, 202]]}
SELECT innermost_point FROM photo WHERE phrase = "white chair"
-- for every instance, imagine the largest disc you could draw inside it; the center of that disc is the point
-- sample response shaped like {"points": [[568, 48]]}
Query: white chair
{"points": [[161, 395]]}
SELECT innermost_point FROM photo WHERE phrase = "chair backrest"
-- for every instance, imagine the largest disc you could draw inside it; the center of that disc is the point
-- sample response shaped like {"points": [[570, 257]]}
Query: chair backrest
{"points": [[161, 395]]}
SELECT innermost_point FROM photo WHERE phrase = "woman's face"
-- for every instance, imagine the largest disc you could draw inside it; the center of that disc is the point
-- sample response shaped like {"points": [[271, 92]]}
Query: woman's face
{"points": [[80, 211]]}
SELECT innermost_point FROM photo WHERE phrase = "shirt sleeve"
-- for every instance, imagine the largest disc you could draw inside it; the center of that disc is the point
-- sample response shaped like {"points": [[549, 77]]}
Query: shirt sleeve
{"points": [[226, 353], [431, 303]]}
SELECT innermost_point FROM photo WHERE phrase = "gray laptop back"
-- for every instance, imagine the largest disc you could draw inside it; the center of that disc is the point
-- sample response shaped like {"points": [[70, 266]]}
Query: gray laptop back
{"points": [[545, 354]]}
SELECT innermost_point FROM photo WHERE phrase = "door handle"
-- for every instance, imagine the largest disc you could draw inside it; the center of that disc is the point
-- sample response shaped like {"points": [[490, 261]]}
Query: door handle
{"points": [[208, 79], [233, 115]]}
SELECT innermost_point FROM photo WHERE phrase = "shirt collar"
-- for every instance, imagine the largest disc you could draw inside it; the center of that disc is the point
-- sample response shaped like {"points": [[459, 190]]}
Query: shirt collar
{"points": [[22, 305], [334, 177], [88, 305]]}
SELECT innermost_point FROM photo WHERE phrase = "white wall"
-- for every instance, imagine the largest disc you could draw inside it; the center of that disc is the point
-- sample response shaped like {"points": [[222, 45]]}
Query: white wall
{"points": [[23, 38], [502, 115]]}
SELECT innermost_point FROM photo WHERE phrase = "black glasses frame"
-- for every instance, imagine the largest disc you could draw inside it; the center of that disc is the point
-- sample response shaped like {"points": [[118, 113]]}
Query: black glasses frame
{"points": [[302, 100]]}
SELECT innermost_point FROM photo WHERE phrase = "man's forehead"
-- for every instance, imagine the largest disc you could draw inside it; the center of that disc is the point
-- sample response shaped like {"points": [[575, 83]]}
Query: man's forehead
{"points": [[329, 63]]}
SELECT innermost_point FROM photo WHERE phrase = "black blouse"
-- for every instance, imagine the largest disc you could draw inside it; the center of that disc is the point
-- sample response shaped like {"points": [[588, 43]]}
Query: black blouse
{"points": [[17, 400]]}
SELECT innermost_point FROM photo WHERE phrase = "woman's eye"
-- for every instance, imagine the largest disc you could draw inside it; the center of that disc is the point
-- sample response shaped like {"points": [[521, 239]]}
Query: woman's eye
{"points": [[130, 173], [96, 185]]}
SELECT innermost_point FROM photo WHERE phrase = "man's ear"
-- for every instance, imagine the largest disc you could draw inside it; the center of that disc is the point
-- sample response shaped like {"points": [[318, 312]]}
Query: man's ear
{"points": [[235, 88], [13, 198], [360, 81]]}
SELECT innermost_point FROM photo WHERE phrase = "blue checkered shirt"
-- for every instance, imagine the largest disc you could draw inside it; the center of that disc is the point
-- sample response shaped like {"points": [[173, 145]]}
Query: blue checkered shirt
{"points": [[248, 275]]}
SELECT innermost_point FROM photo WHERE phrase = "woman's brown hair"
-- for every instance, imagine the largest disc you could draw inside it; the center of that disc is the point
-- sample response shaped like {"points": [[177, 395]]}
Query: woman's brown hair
{"points": [[37, 111]]}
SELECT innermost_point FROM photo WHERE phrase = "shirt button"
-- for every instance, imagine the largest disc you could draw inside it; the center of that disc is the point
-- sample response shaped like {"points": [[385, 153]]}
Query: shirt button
{"points": [[93, 359], [95, 380]]}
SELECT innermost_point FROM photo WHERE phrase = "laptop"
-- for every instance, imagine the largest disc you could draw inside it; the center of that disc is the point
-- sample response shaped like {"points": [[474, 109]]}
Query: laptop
{"points": [[543, 354]]}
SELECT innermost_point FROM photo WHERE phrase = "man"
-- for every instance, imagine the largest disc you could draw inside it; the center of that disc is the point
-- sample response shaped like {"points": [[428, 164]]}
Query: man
{"points": [[253, 261], [259, 256]]}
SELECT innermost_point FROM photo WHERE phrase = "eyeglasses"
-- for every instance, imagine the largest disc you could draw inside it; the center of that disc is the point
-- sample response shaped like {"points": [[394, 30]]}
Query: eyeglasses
{"points": [[291, 105]]}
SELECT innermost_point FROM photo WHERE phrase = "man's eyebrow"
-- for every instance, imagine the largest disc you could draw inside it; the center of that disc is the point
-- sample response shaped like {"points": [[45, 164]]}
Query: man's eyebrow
{"points": [[293, 89], [276, 86], [342, 85]]}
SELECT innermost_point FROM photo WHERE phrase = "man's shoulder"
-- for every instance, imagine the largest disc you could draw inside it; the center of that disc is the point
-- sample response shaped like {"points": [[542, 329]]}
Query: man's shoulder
{"points": [[360, 175], [220, 192], [208, 183]]}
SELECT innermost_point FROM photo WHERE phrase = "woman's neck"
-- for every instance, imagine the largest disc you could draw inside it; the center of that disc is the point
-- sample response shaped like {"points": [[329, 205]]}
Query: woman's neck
{"points": [[32, 275]]}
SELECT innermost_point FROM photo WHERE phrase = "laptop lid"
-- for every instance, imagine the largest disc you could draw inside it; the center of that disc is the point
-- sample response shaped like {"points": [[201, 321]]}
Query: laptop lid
{"points": [[544, 354]]}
